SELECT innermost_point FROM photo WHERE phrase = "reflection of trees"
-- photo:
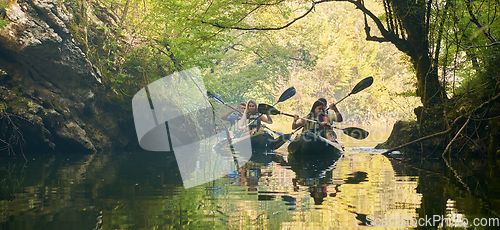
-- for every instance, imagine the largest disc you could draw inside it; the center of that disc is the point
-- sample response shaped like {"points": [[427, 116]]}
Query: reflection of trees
{"points": [[79, 191], [358, 186], [464, 188], [322, 196], [51, 189], [138, 190], [380, 193]]}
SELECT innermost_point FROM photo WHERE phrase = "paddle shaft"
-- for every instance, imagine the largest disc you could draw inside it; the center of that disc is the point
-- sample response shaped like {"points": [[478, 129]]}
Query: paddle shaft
{"points": [[284, 96], [303, 118], [339, 101], [363, 84], [233, 108], [224, 103]]}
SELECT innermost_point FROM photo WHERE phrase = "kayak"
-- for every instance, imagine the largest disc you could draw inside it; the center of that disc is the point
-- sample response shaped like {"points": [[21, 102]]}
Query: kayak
{"points": [[259, 140], [310, 144]]}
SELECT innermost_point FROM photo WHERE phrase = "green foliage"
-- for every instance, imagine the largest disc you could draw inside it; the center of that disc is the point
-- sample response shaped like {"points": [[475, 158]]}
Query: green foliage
{"points": [[3, 107], [3, 22], [465, 47], [484, 83], [317, 55]]}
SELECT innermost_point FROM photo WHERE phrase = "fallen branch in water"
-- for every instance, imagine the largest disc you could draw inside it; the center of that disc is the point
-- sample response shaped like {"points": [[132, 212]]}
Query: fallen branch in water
{"points": [[455, 173], [416, 141], [422, 139], [454, 138]]}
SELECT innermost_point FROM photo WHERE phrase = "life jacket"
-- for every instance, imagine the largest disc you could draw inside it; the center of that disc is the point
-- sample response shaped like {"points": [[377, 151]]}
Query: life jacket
{"points": [[256, 124], [314, 127]]}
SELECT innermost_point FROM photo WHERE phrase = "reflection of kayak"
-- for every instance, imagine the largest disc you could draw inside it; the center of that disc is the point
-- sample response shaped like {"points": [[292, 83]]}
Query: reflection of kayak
{"points": [[311, 166], [312, 157], [259, 140], [310, 144]]}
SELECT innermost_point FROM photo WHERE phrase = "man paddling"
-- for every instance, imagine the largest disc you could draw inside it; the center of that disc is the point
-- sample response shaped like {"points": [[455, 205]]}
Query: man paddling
{"points": [[234, 118]]}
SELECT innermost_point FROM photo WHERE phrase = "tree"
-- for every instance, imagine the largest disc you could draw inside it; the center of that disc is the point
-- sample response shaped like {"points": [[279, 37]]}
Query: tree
{"points": [[415, 27]]}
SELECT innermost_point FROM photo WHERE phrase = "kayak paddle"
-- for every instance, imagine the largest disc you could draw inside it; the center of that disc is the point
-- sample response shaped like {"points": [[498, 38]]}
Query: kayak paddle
{"points": [[284, 96], [354, 132], [363, 84], [216, 98], [269, 109]]}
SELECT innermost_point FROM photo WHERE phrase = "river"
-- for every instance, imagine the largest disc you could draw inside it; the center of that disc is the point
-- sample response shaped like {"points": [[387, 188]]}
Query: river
{"points": [[137, 190]]}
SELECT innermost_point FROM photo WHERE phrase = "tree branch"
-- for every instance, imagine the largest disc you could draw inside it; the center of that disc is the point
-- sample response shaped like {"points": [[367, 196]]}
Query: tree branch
{"points": [[262, 4], [454, 138], [475, 21], [267, 28], [388, 36], [440, 33], [423, 138], [416, 141]]}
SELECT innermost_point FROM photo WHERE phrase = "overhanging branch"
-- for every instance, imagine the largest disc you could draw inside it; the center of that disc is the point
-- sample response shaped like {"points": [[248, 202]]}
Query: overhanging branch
{"points": [[388, 36], [268, 28], [262, 4]]}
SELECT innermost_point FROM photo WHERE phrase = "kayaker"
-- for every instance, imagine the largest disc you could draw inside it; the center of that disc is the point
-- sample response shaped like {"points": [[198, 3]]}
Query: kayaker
{"points": [[318, 114], [234, 117], [251, 114], [337, 117]]}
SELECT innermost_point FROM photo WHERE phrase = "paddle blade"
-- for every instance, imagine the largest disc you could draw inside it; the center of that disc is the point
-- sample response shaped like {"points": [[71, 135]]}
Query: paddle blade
{"points": [[215, 97], [357, 133], [287, 94], [279, 141], [267, 109], [363, 84]]}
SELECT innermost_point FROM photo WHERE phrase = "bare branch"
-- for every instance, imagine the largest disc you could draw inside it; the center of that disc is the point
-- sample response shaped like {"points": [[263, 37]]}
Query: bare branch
{"points": [[262, 4], [484, 46], [454, 138], [388, 36], [428, 17], [268, 28], [440, 33], [416, 141], [478, 24], [423, 138]]}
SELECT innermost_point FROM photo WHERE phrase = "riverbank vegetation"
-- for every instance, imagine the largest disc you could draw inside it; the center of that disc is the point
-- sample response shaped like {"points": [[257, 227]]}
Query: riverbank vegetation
{"points": [[322, 55], [435, 64], [446, 56]]}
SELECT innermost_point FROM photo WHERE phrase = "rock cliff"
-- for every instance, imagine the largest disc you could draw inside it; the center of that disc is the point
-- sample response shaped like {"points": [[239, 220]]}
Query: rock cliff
{"points": [[51, 93]]}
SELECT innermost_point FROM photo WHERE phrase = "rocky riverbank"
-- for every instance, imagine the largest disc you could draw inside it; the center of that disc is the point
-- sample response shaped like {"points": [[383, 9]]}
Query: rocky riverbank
{"points": [[52, 95]]}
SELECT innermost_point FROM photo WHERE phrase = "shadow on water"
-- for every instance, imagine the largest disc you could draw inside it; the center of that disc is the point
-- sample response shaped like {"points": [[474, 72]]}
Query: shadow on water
{"points": [[144, 190], [73, 191], [456, 191]]}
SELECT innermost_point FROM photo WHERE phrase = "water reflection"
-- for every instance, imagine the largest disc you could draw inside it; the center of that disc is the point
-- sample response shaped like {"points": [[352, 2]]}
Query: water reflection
{"points": [[272, 191]]}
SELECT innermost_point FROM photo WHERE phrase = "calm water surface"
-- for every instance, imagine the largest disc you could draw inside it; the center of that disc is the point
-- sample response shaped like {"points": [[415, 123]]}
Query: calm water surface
{"points": [[129, 190]]}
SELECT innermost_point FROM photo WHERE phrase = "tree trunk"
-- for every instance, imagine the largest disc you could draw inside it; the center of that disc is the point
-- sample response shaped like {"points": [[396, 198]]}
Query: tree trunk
{"points": [[413, 17]]}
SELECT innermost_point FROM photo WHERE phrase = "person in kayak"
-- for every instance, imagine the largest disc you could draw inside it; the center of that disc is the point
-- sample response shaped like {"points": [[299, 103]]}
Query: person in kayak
{"points": [[249, 116], [234, 117], [321, 127], [331, 117]]}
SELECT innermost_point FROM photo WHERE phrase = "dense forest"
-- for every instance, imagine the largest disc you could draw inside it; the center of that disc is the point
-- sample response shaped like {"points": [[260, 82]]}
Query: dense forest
{"points": [[438, 58]]}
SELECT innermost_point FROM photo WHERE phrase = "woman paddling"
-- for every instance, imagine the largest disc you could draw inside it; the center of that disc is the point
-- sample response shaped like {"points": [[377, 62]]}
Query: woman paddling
{"points": [[333, 107], [252, 119], [321, 127]]}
